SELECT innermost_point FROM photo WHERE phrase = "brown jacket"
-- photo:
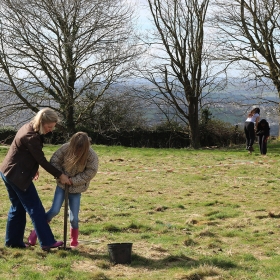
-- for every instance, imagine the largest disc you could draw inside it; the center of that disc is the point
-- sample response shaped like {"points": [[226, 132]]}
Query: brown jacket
{"points": [[24, 157]]}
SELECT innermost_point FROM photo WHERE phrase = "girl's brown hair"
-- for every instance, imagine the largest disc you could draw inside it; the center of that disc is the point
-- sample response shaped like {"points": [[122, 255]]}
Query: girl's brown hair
{"points": [[77, 152], [253, 112]]}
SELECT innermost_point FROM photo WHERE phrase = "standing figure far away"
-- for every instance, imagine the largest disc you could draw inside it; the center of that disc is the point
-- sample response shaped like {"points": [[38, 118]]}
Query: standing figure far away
{"points": [[263, 132], [250, 127], [78, 160], [18, 170]]}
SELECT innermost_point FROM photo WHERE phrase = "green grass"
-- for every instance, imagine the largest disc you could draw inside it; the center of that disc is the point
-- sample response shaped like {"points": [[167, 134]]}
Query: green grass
{"points": [[190, 214]]}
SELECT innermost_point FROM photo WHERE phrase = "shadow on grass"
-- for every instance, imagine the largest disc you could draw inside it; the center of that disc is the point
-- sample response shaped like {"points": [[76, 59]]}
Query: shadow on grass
{"points": [[183, 261], [180, 261]]}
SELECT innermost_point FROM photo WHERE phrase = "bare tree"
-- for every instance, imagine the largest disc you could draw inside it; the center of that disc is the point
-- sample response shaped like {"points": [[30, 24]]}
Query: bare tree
{"points": [[63, 54], [249, 32], [249, 35], [180, 68]]}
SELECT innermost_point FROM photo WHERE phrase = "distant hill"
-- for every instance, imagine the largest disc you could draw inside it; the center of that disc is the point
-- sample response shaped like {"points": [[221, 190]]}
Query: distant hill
{"points": [[233, 104]]}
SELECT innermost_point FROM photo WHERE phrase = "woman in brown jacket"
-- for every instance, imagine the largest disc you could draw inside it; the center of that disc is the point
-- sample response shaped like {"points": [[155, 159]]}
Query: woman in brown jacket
{"points": [[78, 160], [18, 170]]}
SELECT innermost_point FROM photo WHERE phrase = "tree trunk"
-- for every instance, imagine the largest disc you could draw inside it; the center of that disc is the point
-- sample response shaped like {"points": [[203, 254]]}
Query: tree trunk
{"points": [[69, 120], [279, 120], [193, 122]]}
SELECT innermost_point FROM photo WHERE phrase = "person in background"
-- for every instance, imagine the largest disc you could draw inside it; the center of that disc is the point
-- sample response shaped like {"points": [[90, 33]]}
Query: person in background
{"points": [[263, 132], [18, 170], [78, 160], [250, 127]]}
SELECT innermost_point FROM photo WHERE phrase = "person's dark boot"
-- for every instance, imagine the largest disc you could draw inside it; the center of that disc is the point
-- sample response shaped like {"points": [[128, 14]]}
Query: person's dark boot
{"points": [[54, 245]]}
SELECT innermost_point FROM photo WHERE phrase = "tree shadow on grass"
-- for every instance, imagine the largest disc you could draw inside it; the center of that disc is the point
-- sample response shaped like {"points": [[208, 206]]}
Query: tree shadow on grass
{"points": [[171, 261], [180, 261]]}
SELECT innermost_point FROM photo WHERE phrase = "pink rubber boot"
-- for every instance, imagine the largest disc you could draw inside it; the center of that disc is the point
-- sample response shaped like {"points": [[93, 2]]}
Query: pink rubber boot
{"points": [[74, 237], [32, 239]]}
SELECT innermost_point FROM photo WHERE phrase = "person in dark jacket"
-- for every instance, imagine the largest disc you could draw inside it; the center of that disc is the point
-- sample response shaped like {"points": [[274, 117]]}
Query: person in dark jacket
{"points": [[263, 132], [18, 170]]}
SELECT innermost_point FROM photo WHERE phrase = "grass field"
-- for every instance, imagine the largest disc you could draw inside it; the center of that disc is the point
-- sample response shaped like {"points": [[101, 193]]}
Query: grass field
{"points": [[190, 214]]}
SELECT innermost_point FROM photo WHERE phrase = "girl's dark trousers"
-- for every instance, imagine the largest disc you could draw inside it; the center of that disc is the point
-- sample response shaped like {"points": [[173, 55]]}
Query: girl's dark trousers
{"points": [[263, 144], [249, 133]]}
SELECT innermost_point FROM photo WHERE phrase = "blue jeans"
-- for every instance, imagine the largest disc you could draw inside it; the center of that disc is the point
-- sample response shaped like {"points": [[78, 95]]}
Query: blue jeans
{"points": [[22, 202], [74, 205]]}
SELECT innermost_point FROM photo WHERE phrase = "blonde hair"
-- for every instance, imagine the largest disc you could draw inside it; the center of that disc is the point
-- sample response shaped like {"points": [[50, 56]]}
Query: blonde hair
{"points": [[44, 116], [77, 152]]}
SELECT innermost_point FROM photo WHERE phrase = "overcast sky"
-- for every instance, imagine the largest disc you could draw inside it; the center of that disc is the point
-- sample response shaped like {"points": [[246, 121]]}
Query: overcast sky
{"points": [[143, 13]]}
